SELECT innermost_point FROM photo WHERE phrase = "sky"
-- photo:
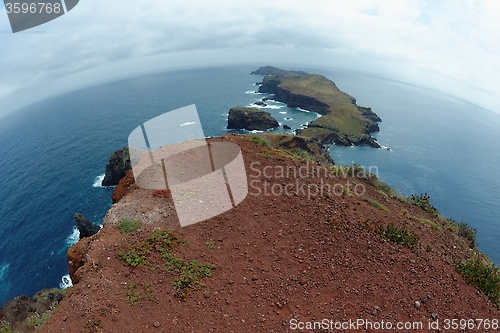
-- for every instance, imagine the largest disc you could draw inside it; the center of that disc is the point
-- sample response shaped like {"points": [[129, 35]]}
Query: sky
{"points": [[451, 46]]}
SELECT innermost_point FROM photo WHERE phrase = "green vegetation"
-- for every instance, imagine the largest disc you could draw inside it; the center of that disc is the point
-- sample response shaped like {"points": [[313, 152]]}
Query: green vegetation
{"points": [[402, 236], [45, 294], [341, 116], [187, 273], [424, 201], [210, 245], [431, 223], [127, 225], [376, 204], [134, 295], [257, 139], [38, 320], [5, 327], [465, 231], [483, 276]]}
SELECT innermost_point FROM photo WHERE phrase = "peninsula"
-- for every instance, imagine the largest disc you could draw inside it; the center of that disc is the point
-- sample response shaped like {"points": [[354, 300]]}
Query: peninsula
{"points": [[343, 122]]}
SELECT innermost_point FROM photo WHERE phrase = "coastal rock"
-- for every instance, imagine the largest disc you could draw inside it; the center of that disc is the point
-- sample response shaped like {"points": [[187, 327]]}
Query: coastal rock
{"points": [[18, 311], [76, 258], [285, 126], [85, 227], [259, 103], [250, 119], [118, 166]]}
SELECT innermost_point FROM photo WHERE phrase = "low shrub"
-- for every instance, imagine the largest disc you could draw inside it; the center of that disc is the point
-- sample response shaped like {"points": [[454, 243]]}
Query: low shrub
{"points": [[465, 231], [402, 236], [483, 276]]}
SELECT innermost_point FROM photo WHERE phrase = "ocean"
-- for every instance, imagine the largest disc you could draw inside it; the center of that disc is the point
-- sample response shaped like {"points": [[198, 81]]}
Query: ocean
{"points": [[54, 155]]}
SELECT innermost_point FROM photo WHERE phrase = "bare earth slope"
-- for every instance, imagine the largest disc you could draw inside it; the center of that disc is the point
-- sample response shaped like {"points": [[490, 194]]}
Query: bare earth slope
{"points": [[279, 258]]}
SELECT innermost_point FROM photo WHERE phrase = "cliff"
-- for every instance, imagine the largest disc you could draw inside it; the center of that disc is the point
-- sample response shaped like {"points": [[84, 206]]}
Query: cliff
{"points": [[342, 122], [312, 240], [118, 166]]}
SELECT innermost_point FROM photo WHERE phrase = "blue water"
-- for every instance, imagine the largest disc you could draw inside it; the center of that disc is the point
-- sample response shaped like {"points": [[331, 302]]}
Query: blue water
{"points": [[53, 153]]}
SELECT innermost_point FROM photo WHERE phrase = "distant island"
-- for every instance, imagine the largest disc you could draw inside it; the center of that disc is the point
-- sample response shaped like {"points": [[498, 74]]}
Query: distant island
{"points": [[342, 121]]}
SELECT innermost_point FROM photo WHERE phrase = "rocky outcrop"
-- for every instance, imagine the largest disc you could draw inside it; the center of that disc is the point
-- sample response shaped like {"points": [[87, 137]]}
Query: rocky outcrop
{"points": [[250, 119], [85, 227], [76, 256], [118, 166], [18, 311]]}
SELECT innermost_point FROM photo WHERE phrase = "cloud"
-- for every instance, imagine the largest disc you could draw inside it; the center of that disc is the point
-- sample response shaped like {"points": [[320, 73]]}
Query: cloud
{"points": [[447, 45]]}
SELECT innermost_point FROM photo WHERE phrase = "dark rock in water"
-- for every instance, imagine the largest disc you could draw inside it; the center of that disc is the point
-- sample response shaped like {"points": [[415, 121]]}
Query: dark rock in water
{"points": [[18, 311], [85, 227], [266, 99], [250, 119], [118, 166], [285, 126], [260, 103]]}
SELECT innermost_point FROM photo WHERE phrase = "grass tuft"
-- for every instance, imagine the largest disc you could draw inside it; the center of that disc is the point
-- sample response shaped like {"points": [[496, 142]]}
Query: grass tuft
{"points": [[402, 236], [376, 204], [128, 225], [431, 223]]}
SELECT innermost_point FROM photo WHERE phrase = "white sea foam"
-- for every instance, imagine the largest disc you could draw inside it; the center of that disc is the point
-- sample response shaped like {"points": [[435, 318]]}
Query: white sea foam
{"points": [[254, 92], [98, 181], [283, 112], [4, 269], [256, 131], [65, 282], [188, 123], [275, 107], [74, 237]]}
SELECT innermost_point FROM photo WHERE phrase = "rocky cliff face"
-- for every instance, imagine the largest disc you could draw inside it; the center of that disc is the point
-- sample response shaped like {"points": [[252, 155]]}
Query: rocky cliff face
{"points": [[250, 119], [118, 166]]}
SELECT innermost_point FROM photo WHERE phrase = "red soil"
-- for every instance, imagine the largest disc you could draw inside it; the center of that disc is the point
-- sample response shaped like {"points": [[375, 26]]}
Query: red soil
{"points": [[278, 258]]}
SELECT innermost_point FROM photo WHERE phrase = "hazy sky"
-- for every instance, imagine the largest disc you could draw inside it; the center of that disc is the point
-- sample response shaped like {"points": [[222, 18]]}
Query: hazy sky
{"points": [[449, 45]]}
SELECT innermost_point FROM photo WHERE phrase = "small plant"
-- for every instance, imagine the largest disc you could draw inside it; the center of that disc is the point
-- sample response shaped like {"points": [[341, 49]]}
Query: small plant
{"points": [[5, 327], [402, 236], [376, 204], [483, 276], [403, 212], [134, 295], [465, 231], [424, 201], [210, 245], [127, 225], [189, 275], [259, 140]]}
